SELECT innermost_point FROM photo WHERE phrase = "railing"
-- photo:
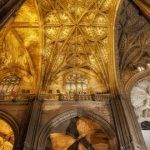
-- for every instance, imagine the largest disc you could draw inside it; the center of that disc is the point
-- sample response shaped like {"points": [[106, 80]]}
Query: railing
{"points": [[23, 97], [75, 97], [56, 97]]}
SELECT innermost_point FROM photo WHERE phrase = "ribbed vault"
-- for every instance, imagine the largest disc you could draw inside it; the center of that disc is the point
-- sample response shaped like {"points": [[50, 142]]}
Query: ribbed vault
{"points": [[58, 38]]}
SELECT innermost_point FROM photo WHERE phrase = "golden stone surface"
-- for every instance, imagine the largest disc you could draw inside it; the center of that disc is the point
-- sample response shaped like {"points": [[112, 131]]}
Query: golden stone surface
{"points": [[6, 136], [47, 38], [88, 130]]}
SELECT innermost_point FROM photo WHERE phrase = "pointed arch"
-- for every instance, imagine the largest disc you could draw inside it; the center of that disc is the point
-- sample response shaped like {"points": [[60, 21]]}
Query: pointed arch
{"points": [[8, 119], [44, 132]]}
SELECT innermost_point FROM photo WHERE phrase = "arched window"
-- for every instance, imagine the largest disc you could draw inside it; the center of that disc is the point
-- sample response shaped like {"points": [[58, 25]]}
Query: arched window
{"points": [[9, 85], [6, 136], [76, 83]]}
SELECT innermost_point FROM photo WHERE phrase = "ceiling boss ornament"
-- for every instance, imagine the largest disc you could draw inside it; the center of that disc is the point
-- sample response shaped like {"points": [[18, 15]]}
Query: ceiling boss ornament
{"points": [[75, 35]]}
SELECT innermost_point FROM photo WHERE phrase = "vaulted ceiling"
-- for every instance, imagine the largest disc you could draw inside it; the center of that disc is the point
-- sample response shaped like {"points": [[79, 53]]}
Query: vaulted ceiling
{"points": [[76, 36], [21, 42], [49, 38], [133, 41]]}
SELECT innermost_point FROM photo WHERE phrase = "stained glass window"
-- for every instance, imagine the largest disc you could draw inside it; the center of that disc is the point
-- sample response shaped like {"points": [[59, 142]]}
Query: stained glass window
{"points": [[76, 83], [9, 85]]}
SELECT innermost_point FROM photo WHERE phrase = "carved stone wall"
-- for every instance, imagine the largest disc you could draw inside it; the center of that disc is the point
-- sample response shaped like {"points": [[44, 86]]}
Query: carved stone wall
{"points": [[102, 108]]}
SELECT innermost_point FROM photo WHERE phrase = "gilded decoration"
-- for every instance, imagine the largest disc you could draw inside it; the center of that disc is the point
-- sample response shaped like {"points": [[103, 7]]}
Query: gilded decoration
{"points": [[6, 136], [46, 40], [20, 47], [76, 37]]}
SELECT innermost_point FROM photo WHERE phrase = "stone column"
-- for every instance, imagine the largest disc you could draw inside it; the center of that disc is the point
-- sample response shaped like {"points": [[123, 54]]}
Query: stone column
{"points": [[136, 134], [33, 126], [121, 125], [23, 128]]}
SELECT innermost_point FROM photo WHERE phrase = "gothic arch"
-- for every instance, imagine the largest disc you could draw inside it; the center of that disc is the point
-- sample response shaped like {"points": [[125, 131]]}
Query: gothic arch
{"points": [[133, 116], [140, 104], [134, 80], [42, 138], [13, 124]]}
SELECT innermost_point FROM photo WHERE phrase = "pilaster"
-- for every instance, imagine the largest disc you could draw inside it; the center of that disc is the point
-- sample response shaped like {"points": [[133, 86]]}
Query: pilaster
{"points": [[33, 126]]}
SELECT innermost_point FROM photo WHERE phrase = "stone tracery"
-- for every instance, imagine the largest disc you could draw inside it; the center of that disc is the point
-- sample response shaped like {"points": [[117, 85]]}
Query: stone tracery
{"points": [[74, 32]]}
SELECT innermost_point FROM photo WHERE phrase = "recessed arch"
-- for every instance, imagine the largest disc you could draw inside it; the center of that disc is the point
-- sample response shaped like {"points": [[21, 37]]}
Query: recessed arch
{"points": [[129, 85], [138, 92], [46, 130], [12, 125]]}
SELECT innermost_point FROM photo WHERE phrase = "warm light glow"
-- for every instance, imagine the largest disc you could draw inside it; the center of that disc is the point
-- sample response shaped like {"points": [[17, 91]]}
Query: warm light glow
{"points": [[83, 134], [76, 83], [48, 38], [9, 85], [6, 136]]}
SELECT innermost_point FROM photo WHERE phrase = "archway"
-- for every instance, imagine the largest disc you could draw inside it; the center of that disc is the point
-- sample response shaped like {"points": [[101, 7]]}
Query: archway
{"points": [[140, 100], [10, 131], [77, 130], [78, 133]]}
